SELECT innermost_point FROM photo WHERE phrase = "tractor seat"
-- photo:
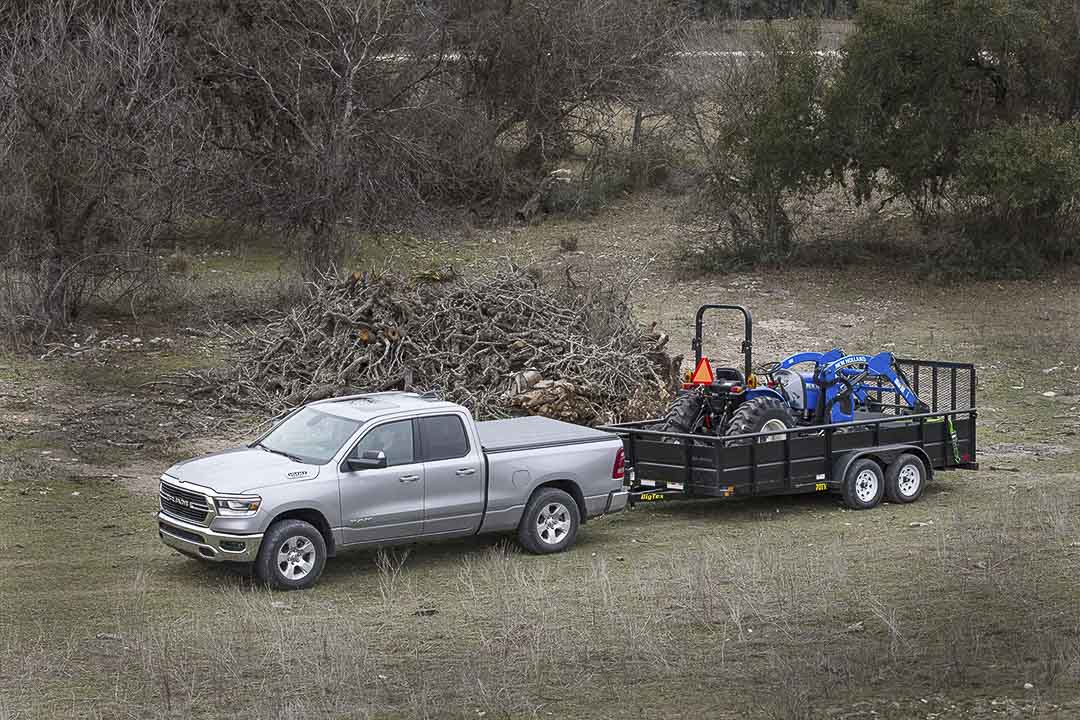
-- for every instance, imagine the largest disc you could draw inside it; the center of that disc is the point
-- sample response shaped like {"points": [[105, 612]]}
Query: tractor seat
{"points": [[728, 376]]}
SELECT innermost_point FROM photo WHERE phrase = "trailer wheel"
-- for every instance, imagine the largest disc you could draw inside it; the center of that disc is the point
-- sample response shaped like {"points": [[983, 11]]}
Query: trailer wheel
{"points": [[864, 484], [550, 522], [905, 479]]}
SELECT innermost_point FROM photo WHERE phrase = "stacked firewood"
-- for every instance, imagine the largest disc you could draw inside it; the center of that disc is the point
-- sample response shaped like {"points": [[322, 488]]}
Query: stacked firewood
{"points": [[501, 344]]}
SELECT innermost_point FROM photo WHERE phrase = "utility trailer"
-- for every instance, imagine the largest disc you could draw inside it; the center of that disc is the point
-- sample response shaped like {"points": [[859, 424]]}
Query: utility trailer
{"points": [[890, 454]]}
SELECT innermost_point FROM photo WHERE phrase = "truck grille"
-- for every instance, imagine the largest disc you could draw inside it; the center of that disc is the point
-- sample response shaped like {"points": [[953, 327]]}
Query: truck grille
{"points": [[184, 504]]}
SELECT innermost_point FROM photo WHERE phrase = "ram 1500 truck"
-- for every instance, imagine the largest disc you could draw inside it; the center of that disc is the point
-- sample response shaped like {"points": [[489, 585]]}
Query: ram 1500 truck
{"points": [[387, 468]]}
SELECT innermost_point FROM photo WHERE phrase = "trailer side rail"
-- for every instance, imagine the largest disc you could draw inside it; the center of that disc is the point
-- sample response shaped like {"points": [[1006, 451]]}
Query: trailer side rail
{"points": [[790, 461]]}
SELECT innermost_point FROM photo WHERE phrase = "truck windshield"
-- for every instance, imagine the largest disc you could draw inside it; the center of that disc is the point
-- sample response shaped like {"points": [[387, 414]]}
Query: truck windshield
{"points": [[309, 436]]}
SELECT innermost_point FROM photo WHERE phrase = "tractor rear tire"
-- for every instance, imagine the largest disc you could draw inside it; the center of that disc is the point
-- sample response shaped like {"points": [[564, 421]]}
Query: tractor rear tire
{"points": [[753, 415], [682, 415]]}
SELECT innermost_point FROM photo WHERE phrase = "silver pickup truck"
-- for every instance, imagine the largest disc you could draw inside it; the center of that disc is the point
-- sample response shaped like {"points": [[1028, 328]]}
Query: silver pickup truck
{"points": [[381, 469]]}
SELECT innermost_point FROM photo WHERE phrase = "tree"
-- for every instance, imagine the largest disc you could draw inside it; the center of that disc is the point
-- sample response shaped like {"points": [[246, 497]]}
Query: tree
{"points": [[92, 138], [919, 78], [531, 67], [755, 122], [966, 107], [329, 109]]}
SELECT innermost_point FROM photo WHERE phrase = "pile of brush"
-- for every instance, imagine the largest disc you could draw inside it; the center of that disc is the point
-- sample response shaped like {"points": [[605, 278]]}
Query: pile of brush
{"points": [[501, 344]]}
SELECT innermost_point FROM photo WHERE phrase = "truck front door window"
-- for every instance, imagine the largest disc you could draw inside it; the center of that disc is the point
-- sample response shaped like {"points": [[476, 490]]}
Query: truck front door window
{"points": [[395, 439]]}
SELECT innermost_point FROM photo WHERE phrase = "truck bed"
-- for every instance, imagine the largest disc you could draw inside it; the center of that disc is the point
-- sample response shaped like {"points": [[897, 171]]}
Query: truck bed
{"points": [[525, 433]]}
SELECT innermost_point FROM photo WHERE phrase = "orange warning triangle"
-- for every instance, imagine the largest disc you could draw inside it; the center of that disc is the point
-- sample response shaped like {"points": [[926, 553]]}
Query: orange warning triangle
{"points": [[703, 373]]}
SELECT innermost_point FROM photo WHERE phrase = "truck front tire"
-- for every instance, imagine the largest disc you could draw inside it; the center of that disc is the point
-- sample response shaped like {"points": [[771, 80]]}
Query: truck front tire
{"points": [[292, 555], [550, 522]]}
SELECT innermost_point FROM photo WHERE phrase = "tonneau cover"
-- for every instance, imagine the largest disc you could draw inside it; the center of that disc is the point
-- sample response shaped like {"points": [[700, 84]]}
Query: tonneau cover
{"points": [[529, 432]]}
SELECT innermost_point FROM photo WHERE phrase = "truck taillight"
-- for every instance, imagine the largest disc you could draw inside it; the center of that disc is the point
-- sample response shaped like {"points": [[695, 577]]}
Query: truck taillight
{"points": [[618, 470]]}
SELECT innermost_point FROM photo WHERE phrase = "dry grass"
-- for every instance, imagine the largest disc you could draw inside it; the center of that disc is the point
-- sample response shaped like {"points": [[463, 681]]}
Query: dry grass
{"points": [[782, 608], [764, 614]]}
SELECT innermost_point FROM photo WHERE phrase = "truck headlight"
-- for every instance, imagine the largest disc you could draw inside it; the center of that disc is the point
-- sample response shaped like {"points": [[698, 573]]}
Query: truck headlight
{"points": [[238, 506]]}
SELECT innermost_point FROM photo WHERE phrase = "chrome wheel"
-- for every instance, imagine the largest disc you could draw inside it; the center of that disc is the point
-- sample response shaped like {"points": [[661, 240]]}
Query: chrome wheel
{"points": [[909, 480], [774, 425], [866, 486], [296, 557], [553, 523]]}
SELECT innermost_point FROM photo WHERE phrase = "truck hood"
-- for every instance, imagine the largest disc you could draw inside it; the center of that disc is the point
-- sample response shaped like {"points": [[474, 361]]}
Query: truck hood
{"points": [[242, 470]]}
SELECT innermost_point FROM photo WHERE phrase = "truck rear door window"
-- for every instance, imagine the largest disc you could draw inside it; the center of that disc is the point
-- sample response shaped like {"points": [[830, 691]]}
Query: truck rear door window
{"points": [[442, 437]]}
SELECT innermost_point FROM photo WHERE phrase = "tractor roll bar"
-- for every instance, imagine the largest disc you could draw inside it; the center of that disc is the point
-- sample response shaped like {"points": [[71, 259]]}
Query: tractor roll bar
{"points": [[748, 333]]}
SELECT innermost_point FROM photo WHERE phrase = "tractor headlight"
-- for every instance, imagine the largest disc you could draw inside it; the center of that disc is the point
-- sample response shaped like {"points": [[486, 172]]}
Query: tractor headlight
{"points": [[238, 506]]}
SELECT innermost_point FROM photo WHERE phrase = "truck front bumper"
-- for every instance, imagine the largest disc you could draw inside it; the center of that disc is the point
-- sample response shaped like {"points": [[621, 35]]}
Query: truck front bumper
{"points": [[203, 543]]}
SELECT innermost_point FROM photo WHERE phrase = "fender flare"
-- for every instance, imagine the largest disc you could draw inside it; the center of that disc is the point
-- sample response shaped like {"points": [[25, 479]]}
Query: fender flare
{"points": [[764, 392], [884, 456]]}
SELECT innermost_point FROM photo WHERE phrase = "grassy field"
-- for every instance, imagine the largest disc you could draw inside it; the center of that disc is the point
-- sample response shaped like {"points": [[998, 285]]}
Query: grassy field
{"points": [[961, 605]]}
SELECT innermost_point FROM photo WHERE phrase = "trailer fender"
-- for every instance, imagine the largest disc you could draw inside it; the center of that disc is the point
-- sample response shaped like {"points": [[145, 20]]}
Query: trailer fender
{"points": [[883, 455]]}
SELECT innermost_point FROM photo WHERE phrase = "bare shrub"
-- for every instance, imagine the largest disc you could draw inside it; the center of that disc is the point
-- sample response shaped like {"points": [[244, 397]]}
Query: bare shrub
{"points": [[335, 111], [753, 120], [92, 127], [534, 70]]}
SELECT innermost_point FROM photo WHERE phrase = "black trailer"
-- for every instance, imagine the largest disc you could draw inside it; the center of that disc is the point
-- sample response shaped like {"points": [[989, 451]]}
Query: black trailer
{"points": [[891, 454]]}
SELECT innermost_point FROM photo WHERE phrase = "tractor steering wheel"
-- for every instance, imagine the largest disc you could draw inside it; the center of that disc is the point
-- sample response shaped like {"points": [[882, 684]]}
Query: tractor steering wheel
{"points": [[767, 369]]}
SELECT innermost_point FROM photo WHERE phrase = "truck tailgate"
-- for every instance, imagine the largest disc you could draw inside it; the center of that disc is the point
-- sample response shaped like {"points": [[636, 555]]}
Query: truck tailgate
{"points": [[535, 432]]}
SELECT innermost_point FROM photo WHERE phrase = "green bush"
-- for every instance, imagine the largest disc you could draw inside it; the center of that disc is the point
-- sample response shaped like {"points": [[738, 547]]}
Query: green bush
{"points": [[1020, 185], [965, 110]]}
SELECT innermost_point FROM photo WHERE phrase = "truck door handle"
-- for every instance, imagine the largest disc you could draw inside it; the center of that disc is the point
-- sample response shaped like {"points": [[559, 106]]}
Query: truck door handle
{"points": [[465, 471], [408, 478]]}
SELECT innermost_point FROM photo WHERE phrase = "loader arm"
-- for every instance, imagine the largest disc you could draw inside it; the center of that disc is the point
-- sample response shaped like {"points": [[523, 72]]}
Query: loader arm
{"points": [[844, 383]]}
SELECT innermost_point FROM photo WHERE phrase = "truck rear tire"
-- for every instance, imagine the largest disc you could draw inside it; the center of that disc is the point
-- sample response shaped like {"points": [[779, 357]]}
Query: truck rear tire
{"points": [[905, 478], [864, 484], [292, 555], [550, 522], [760, 414]]}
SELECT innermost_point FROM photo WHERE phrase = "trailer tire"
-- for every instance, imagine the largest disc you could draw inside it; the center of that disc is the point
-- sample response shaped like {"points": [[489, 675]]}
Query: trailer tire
{"points": [[905, 479], [550, 522], [864, 484], [755, 415], [292, 555]]}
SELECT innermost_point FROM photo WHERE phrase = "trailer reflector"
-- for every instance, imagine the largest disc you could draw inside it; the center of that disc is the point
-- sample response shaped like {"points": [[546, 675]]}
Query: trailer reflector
{"points": [[703, 374]]}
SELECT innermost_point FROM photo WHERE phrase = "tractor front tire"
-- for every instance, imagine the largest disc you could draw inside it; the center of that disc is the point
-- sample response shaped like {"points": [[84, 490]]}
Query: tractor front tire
{"points": [[758, 414]]}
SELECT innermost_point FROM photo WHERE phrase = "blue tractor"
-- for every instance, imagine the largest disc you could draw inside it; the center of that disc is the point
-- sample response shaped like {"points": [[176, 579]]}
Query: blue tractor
{"points": [[807, 388]]}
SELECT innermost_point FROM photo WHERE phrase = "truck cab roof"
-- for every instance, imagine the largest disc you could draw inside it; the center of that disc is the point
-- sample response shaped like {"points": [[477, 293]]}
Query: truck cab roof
{"points": [[371, 405]]}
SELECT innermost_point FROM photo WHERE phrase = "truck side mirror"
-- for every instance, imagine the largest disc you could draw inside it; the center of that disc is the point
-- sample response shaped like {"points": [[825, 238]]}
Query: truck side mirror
{"points": [[370, 460]]}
